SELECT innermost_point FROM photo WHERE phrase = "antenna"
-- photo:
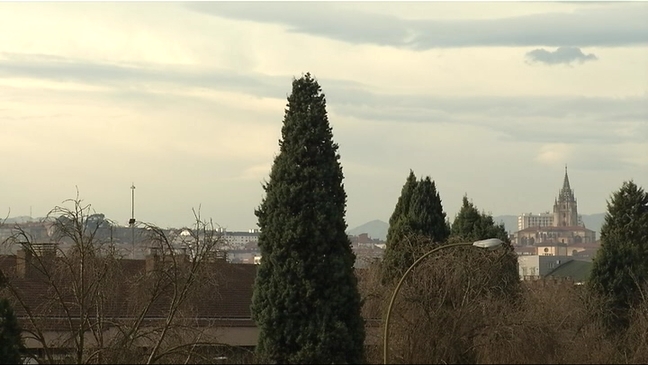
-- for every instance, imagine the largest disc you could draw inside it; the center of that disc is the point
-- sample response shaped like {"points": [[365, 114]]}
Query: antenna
{"points": [[131, 222]]}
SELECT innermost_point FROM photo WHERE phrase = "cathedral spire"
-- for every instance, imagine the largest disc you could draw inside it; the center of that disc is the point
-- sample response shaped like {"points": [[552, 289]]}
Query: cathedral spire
{"points": [[566, 181], [566, 193]]}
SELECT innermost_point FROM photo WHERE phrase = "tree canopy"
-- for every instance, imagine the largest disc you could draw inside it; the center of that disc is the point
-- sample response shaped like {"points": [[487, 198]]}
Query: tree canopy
{"points": [[417, 214], [306, 301], [11, 344], [472, 225], [620, 269]]}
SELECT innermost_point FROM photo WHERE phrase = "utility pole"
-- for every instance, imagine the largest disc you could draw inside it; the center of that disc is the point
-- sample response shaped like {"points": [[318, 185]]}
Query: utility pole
{"points": [[131, 222]]}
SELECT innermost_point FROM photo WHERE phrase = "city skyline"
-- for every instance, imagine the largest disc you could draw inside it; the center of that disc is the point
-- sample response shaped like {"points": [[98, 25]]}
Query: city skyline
{"points": [[186, 101]]}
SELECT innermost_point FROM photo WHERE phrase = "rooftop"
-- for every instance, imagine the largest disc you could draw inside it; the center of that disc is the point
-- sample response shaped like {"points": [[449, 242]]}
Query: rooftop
{"points": [[578, 270]]}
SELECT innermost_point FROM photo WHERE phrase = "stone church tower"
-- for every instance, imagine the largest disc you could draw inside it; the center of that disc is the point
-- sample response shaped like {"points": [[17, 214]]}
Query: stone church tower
{"points": [[565, 212]]}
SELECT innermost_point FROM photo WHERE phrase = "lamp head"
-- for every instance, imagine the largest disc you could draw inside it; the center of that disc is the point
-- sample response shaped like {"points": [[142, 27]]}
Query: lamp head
{"points": [[491, 243]]}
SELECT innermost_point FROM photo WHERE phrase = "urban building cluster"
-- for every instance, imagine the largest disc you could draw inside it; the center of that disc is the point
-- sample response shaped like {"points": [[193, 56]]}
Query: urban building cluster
{"points": [[239, 247], [544, 242], [551, 244], [556, 243]]}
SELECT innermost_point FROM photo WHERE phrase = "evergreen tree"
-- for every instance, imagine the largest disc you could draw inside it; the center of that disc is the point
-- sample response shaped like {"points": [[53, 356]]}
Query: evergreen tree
{"points": [[396, 248], [418, 214], [306, 301], [404, 200], [470, 225], [11, 345], [620, 269], [426, 214]]}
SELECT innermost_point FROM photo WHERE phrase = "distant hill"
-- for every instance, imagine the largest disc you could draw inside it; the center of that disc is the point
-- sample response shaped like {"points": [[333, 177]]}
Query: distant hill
{"points": [[375, 229], [20, 219], [594, 222]]}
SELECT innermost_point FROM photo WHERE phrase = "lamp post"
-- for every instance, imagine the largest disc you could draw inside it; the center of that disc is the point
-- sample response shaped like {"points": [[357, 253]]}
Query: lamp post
{"points": [[491, 243]]}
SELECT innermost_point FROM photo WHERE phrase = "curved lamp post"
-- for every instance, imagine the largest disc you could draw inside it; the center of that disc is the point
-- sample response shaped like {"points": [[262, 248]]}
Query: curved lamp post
{"points": [[491, 243]]}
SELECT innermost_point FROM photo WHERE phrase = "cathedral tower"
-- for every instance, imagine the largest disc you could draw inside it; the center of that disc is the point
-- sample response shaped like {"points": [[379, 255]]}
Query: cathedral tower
{"points": [[565, 209]]}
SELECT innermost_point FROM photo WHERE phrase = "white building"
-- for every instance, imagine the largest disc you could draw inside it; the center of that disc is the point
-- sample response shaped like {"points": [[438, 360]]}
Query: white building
{"points": [[545, 219], [239, 240], [537, 266], [527, 220]]}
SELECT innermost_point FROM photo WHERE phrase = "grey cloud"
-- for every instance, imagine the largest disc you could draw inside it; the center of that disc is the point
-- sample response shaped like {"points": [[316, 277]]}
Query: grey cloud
{"points": [[62, 69], [599, 160], [577, 120], [611, 26], [573, 120], [564, 131], [366, 103], [564, 55], [315, 18]]}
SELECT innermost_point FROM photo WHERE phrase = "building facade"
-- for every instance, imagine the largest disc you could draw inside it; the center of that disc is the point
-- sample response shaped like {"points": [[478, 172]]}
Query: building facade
{"points": [[533, 267], [241, 240], [536, 267], [527, 220], [545, 219]]}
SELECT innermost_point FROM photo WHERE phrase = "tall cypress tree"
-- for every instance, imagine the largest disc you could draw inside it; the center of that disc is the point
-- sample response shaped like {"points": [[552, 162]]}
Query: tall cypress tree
{"points": [[306, 301], [417, 214], [11, 344], [621, 264]]}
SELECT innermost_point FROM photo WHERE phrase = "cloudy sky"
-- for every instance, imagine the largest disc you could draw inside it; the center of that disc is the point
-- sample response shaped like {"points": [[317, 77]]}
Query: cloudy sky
{"points": [[186, 100]]}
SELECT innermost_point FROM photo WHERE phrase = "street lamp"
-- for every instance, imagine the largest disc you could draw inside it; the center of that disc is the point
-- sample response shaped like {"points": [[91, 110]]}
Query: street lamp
{"points": [[491, 244]]}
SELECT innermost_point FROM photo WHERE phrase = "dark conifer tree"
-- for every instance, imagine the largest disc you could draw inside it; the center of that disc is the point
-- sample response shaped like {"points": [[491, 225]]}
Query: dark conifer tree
{"points": [[426, 214], [621, 265], [397, 245], [471, 225], [404, 200], [306, 301], [11, 344], [418, 219]]}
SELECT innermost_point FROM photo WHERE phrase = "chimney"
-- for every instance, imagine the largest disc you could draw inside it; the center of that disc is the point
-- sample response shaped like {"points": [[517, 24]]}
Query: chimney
{"points": [[217, 255], [152, 260], [23, 262], [182, 256], [48, 251]]}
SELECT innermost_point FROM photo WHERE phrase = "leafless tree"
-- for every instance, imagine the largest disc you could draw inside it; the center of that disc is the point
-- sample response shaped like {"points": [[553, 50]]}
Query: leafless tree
{"points": [[452, 311], [80, 292]]}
